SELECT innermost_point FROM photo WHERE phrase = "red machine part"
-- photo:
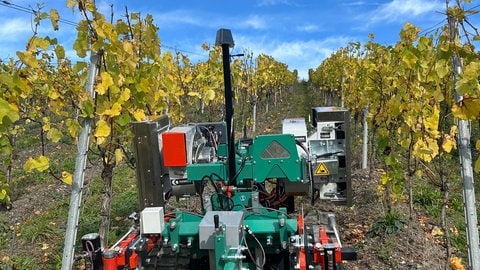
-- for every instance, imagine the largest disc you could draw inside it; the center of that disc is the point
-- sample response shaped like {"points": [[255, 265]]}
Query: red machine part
{"points": [[302, 257], [113, 259], [121, 257], [300, 224], [174, 149], [319, 253], [109, 260]]}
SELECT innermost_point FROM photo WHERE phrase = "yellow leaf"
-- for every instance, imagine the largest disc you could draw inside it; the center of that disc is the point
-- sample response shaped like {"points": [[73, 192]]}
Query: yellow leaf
{"points": [[431, 122], [426, 149], [120, 80], [101, 140], [456, 263], [37, 42], [454, 230], [106, 82], [384, 179], [60, 51], [46, 124], [73, 127], [124, 95], [436, 231], [28, 59], [139, 115], [118, 156], [477, 144], [45, 246], [115, 110], [70, 3], [54, 135], [40, 164], [194, 94], [8, 112], [67, 177], [477, 165], [127, 47], [453, 131], [448, 143], [467, 109], [54, 18], [103, 129], [210, 95]]}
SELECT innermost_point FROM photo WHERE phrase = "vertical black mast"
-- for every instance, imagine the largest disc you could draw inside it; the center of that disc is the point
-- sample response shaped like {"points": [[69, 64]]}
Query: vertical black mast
{"points": [[225, 39]]}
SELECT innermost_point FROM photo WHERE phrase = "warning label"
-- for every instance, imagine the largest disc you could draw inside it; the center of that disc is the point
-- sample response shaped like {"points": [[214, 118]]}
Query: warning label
{"points": [[322, 169]]}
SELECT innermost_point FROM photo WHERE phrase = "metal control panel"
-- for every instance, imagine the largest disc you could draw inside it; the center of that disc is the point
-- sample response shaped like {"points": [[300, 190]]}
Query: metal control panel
{"points": [[329, 147]]}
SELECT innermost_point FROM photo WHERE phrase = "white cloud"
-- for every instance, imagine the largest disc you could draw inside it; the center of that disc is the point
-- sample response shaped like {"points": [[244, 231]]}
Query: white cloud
{"points": [[256, 22], [15, 29], [177, 17], [355, 3], [297, 54], [399, 10], [309, 28], [273, 2]]}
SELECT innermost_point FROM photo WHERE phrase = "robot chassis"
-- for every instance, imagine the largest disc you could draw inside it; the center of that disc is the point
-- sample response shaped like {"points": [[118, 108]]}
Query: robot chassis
{"points": [[248, 218]]}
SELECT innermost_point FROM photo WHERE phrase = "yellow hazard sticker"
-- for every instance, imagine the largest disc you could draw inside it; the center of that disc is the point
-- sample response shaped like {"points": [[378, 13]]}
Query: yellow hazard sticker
{"points": [[322, 169]]}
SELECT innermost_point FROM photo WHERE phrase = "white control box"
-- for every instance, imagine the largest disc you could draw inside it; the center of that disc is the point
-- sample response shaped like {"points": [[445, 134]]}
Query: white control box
{"points": [[152, 220]]}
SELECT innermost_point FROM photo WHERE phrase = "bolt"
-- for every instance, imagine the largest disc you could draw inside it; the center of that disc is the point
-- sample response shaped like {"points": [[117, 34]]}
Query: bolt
{"points": [[174, 247], [281, 222], [284, 245], [173, 225]]}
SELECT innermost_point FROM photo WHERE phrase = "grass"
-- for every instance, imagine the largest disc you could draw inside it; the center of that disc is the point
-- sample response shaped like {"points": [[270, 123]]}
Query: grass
{"points": [[37, 243], [428, 198], [5, 232], [390, 223], [45, 230]]}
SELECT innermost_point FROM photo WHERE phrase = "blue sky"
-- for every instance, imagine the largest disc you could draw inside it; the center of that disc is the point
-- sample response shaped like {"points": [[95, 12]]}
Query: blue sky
{"points": [[299, 33]]}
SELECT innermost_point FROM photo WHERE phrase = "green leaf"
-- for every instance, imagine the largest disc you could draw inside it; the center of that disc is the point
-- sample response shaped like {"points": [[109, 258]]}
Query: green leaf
{"points": [[60, 52], [123, 119], [8, 113], [54, 18], [87, 108], [210, 95], [28, 59], [409, 58], [441, 68], [54, 135], [81, 44], [477, 165], [5, 146], [73, 127]]}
